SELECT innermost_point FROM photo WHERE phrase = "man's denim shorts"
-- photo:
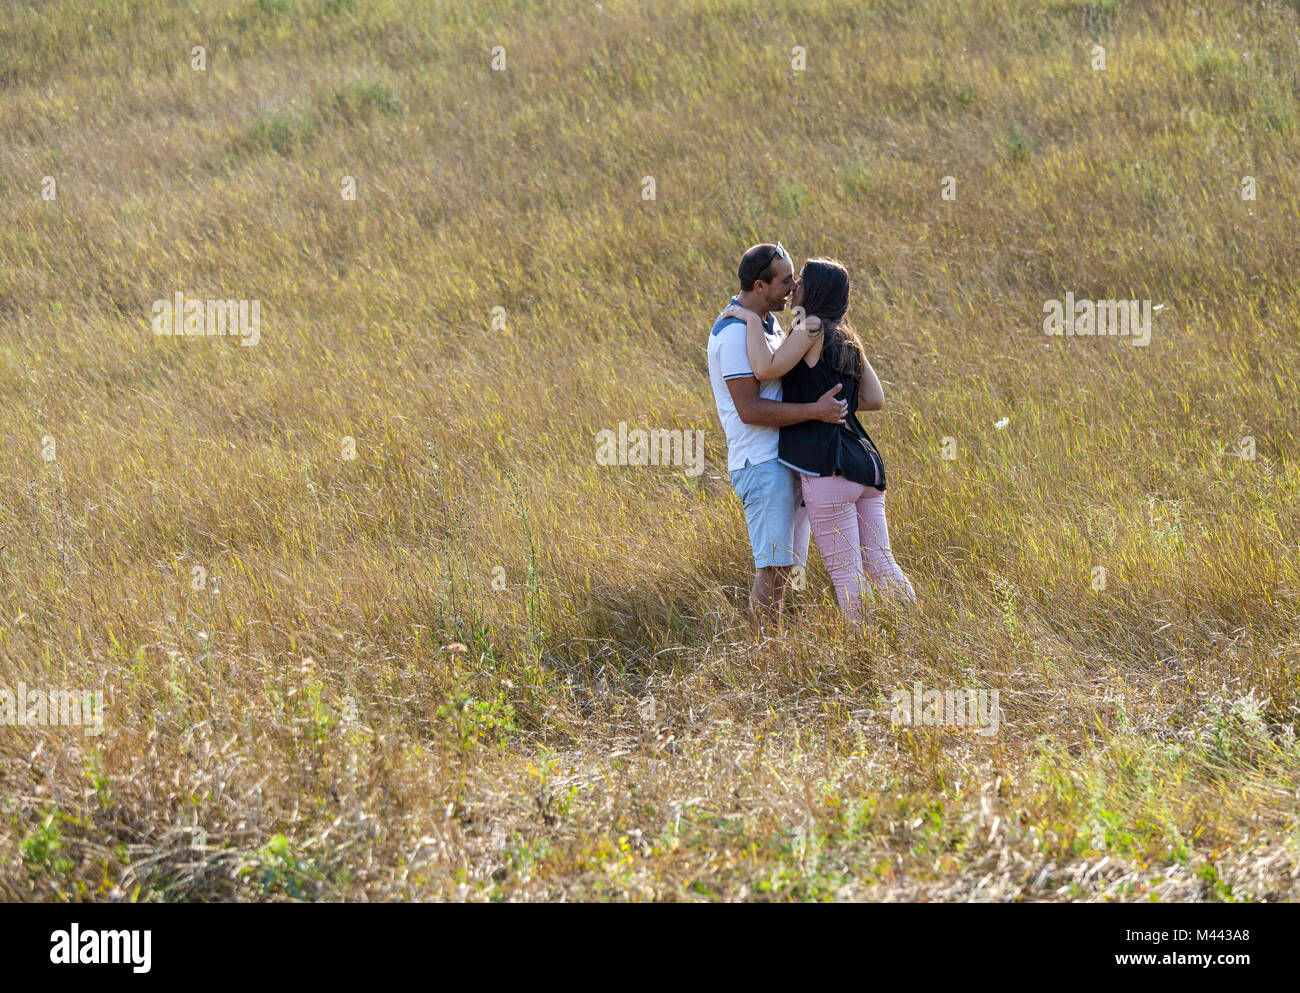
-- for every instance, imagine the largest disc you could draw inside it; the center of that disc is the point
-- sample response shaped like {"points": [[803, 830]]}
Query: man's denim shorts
{"points": [[778, 524]]}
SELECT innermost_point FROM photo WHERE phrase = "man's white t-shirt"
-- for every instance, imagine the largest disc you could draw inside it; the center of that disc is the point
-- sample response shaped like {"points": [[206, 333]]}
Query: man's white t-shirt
{"points": [[729, 359]]}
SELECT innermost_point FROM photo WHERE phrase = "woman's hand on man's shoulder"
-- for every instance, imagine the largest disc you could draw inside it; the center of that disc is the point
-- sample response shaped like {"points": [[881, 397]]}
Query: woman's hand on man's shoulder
{"points": [[736, 310]]}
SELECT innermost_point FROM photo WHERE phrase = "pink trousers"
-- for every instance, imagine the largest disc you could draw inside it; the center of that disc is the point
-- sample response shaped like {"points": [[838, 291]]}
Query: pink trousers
{"points": [[848, 524]]}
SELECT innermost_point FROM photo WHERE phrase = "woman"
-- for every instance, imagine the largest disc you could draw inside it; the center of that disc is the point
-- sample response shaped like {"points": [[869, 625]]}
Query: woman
{"points": [[840, 470]]}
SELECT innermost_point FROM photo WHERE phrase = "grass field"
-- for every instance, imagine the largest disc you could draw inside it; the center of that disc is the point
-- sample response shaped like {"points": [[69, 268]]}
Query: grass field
{"points": [[370, 620]]}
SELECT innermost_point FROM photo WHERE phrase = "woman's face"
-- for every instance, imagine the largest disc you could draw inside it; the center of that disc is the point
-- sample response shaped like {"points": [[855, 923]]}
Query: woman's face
{"points": [[796, 298]]}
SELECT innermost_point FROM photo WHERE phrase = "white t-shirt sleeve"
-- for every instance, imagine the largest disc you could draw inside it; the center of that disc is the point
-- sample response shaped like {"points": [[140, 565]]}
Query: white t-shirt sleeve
{"points": [[733, 356]]}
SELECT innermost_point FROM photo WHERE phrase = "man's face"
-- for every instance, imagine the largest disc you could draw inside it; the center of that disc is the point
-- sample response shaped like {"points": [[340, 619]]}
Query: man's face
{"points": [[781, 286]]}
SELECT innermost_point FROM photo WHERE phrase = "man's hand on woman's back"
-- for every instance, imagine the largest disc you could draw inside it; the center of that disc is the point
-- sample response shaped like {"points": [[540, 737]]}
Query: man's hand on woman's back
{"points": [[830, 409]]}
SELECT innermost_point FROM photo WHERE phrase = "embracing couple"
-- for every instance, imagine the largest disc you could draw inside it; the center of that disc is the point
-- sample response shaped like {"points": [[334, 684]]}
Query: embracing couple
{"points": [[798, 457]]}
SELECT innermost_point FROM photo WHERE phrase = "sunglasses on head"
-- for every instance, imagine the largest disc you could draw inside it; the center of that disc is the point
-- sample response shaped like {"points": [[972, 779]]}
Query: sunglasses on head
{"points": [[778, 252]]}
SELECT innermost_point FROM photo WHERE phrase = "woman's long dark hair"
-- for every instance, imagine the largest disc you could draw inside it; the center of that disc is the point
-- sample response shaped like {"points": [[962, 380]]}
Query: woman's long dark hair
{"points": [[826, 294]]}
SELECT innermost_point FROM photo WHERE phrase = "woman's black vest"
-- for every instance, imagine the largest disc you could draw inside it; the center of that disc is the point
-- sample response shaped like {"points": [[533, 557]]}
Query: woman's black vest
{"points": [[822, 449]]}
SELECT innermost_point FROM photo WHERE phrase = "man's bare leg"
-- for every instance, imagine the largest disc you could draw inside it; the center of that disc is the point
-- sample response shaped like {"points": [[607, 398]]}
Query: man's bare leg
{"points": [[767, 598]]}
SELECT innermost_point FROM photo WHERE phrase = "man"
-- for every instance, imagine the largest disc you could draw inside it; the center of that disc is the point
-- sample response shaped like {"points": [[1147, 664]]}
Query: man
{"points": [[751, 416]]}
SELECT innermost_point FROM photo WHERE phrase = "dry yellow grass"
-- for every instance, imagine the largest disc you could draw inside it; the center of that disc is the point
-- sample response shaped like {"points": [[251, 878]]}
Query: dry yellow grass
{"points": [[602, 727]]}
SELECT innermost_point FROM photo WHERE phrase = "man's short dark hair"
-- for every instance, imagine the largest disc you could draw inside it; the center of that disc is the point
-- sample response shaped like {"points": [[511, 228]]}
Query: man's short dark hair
{"points": [[755, 265]]}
